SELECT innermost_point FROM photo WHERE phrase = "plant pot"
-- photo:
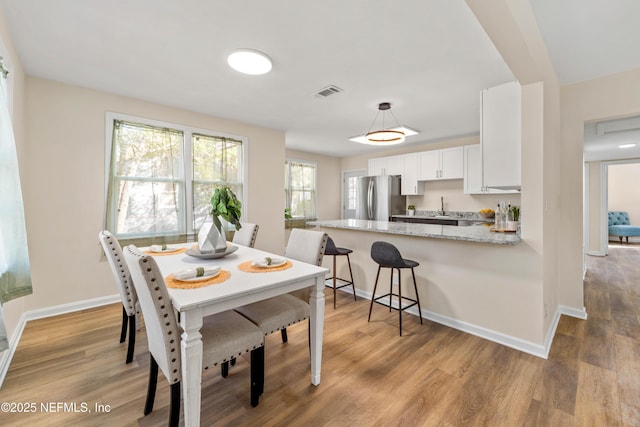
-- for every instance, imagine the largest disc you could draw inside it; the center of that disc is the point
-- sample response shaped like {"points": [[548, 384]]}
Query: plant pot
{"points": [[210, 239], [411, 212], [512, 225]]}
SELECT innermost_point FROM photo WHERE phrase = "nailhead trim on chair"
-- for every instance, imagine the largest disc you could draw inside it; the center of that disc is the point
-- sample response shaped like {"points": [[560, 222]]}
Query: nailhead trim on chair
{"points": [[125, 276]]}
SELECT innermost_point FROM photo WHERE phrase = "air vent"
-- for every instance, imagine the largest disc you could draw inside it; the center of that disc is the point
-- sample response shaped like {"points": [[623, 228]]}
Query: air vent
{"points": [[328, 91]]}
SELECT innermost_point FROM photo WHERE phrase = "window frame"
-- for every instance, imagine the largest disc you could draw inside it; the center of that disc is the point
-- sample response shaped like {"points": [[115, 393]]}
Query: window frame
{"points": [[187, 166], [287, 188]]}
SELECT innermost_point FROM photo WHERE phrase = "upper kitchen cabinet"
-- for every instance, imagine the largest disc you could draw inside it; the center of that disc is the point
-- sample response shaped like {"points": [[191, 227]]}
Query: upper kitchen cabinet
{"points": [[473, 180], [409, 185], [500, 136], [441, 164], [392, 165]]}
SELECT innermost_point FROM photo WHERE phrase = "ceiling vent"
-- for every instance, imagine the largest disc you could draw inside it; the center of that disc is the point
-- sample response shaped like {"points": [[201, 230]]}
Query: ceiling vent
{"points": [[619, 125], [328, 91]]}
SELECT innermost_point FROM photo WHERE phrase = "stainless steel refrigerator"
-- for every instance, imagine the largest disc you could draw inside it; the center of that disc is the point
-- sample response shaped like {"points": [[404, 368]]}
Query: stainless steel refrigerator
{"points": [[378, 197]]}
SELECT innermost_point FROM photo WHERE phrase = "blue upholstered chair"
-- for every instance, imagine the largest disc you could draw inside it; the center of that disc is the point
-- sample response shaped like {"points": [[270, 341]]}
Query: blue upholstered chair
{"points": [[620, 226]]}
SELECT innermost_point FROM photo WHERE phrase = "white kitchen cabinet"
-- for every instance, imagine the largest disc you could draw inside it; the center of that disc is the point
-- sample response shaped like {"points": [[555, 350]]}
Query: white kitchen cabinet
{"points": [[473, 181], [410, 186], [392, 165], [500, 136], [435, 165]]}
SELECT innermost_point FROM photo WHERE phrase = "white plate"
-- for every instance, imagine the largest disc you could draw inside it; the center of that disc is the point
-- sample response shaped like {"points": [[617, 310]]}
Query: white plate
{"points": [[263, 263], [197, 279], [195, 252]]}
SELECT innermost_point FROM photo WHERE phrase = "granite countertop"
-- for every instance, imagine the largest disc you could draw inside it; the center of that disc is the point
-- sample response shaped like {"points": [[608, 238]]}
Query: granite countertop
{"points": [[474, 233]]}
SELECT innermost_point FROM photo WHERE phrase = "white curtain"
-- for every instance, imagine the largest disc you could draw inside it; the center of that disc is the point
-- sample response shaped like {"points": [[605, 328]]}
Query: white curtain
{"points": [[15, 272]]}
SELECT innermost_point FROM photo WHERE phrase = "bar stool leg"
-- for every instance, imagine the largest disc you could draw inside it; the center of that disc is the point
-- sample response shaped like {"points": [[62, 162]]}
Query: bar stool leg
{"points": [[334, 282], [373, 295], [417, 297], [390, 290], [351, 275], [400, 300]]}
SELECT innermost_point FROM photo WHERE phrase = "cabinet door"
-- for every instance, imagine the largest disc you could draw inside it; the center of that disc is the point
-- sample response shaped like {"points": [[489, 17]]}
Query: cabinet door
{"points": [[452, 163], [409, 183], [429, 165], [394, 165], [500, 136], [376, 166], [472, 169]]}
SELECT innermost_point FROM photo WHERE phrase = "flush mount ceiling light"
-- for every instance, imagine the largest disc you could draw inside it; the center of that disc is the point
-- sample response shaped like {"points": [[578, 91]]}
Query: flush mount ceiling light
{"points": [[384, 136], [249, 61], [626, 146]]}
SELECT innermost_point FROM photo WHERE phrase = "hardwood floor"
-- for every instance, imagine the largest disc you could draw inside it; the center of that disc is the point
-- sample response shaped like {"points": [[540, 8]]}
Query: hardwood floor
{"points": [[431, 376]]}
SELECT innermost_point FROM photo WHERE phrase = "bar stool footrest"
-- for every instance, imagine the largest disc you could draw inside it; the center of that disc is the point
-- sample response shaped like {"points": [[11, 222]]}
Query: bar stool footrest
{"points": [[344, 282], [413, 302]]}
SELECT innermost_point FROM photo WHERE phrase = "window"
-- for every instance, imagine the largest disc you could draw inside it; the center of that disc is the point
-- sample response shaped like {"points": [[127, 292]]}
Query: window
{"points": [[148, 194], [300, 188]]}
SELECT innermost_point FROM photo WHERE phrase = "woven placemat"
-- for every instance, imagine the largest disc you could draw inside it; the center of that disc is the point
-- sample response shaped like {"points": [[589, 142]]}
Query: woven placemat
{"points": [[173, 252], [174, 283], [250, 268]]}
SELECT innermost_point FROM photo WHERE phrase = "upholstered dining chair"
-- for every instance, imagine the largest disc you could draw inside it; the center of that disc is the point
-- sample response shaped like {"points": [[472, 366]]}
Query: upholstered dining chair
{"points": [[224, 335], [120, 270], [281, 311], [247, 234]]}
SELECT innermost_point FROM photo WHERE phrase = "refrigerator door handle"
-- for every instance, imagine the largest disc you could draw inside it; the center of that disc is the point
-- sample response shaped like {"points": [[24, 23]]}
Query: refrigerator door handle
{"points": [[370, 200]]}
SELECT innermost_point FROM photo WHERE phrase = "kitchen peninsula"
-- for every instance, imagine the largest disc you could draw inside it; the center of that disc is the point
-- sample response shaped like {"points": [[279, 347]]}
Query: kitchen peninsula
{"points": [[475, 233], [469, 278]]}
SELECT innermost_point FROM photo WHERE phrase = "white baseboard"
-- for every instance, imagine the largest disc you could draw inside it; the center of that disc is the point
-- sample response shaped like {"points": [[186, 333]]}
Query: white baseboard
{"points": [[7, 355], [519, 344], [596, 253]]}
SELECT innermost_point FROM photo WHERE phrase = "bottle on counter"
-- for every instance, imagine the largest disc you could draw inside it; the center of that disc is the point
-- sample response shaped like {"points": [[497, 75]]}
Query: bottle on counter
{"points": [[499, 218]]}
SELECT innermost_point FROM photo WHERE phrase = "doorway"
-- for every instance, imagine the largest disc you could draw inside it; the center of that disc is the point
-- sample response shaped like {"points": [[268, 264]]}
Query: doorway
{"points": [[349, 180]]}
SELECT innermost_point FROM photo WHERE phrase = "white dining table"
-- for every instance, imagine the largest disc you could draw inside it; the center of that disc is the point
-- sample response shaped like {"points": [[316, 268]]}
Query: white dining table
{"points": [[239, 289]]}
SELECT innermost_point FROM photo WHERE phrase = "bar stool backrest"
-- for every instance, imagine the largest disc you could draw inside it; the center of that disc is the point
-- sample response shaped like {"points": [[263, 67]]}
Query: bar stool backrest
{"points": [[387, 255]]}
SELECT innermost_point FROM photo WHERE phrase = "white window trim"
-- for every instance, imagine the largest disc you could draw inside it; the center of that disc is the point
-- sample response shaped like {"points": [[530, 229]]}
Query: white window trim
{"points": [[188, 173], [315, 193]]}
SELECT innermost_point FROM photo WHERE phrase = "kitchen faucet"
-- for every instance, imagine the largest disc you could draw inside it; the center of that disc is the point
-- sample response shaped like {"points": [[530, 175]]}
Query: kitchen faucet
{"points": [[442, 205]]}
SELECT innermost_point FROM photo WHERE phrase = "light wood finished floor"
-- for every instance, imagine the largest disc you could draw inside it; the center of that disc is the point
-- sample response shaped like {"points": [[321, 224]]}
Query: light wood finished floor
{"points": [[432, 376]]}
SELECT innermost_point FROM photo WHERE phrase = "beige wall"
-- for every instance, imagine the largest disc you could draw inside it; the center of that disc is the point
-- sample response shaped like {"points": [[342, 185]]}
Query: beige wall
{"points": [[64, 184], [13, 310], [623, 195], [329, 182], [608, 97]]}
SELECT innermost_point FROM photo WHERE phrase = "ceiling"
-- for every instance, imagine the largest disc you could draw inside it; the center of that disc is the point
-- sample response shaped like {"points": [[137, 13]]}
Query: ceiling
{"points": [[428, 58]]}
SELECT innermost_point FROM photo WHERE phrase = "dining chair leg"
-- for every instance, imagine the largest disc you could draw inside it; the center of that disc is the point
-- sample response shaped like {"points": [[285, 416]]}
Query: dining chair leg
{"points": [[257, 369], [174, 412], [400, 299], [151, 390], [123, 330], [415, 286], [353, 286], [373, 295], [283, 333], [224, 369], [233, 361], [132, 337]]}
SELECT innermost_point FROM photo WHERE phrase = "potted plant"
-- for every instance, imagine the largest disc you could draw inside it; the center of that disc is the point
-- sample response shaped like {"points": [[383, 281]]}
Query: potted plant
{"points": [[226, 207], [513, 218], [411, 210]]}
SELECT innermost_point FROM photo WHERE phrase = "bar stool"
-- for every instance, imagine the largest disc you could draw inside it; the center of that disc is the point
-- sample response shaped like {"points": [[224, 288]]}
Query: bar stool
{"points": [[386, 255], [334, 251]]}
